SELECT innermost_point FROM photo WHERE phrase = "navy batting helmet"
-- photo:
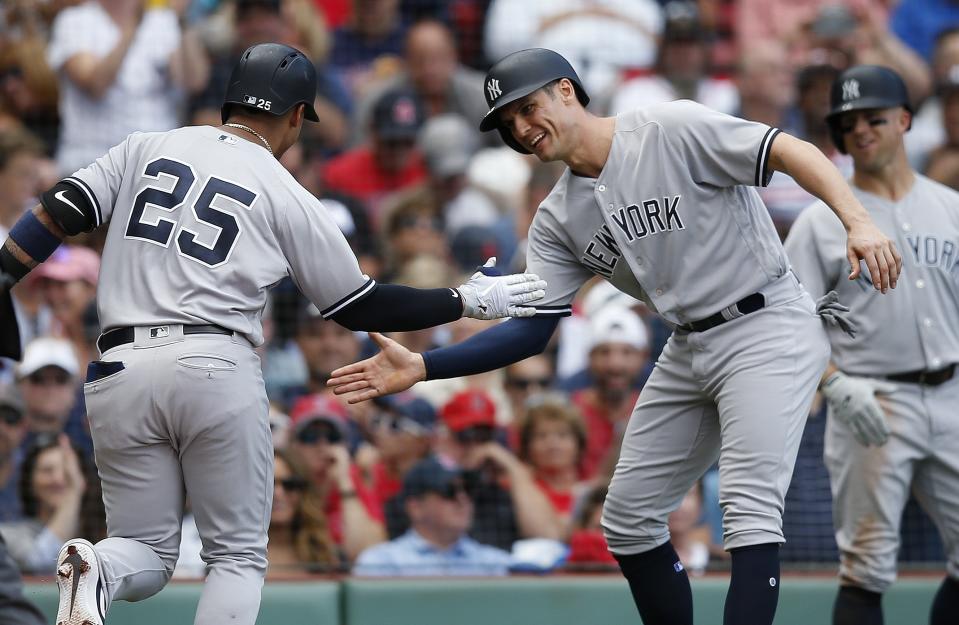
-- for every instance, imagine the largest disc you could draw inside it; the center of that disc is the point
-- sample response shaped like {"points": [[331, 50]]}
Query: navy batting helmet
{"points": [[864, 87], [519, 74], [274, 78]]}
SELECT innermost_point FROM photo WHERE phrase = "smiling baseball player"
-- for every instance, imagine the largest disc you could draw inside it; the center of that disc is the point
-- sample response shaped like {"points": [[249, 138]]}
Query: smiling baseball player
{"points": [[659, 202], [893, 395], [202, 221]]}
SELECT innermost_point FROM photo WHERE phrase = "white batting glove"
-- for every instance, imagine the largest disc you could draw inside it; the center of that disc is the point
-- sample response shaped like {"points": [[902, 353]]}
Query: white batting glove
{"points": [[853, 401], [490, 296]]}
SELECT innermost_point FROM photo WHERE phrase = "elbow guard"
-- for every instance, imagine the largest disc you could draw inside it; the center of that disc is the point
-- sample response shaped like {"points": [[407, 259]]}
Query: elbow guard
{"points": [[70, 208]]}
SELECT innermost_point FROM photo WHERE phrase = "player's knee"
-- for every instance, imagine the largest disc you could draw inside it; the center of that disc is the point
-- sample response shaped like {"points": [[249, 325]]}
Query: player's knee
{"points": [[628, 531], [868, 571]]}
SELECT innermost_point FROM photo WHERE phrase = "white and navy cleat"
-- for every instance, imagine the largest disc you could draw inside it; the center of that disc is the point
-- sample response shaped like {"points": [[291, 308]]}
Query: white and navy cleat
{"points": [[83, 599]]}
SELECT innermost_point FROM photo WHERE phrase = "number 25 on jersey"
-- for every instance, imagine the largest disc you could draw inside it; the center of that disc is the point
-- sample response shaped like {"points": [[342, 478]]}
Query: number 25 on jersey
{"points": [[160, 230]]}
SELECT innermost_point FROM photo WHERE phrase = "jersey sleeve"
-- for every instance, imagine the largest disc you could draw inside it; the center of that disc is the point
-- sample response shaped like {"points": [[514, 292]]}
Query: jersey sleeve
{"points": [[321, 262], [100, 181], [547, 257], [718, 149], [816, 249]]}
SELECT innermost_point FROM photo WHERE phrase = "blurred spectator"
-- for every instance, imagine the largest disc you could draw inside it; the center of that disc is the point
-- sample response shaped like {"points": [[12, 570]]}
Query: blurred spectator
{"points": [[448, 144], [300, 538], [28, 87], [542, 178], [17, 609], [599, 37], [68, 282], [618, 353], [403, 431], [388, 162], [319, 441], [48, 381], [919, 22], [928, 131], [687, 534], [53, 487], [783, 196], [552, 441], [943, 162], [413, 229], [368, 46], [587, 545], [20, 154], [13, 429], [441, 512], [509, 505], [325, 346], [261, 21], [767, 85], [433, 73], [526, 379], [122, 68], [682, 69]]}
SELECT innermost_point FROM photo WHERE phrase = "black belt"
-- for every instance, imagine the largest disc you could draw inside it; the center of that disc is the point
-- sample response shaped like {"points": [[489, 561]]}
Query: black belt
{"points": [[122, 336], [924, 376], [748, 304]]}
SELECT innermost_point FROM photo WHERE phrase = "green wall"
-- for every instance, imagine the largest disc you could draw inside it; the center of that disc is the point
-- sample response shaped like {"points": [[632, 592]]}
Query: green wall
{"points": [[561, 600]]}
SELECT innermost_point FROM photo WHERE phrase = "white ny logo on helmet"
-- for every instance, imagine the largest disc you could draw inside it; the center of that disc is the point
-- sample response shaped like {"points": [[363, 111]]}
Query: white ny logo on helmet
{"points": [[492, 87], [850, 89]]}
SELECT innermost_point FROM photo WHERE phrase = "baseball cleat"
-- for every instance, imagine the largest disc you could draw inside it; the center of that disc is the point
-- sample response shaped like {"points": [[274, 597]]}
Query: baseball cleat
{"points": [[83, 598]]}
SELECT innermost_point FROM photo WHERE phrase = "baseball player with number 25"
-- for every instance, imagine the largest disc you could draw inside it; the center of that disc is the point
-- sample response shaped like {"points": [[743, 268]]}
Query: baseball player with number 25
{"points": [[202, 221], [893, 394], [658, 202]]}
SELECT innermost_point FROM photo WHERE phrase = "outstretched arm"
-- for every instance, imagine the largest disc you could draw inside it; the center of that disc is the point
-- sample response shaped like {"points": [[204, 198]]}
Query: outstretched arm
{"points": [[816, 174], [396, 368]]}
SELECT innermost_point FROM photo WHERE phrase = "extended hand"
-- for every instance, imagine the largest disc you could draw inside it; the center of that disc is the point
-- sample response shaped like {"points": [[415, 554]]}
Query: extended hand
{"points": [[853, 401], [490, 296], [392, 370], [868, 243]]}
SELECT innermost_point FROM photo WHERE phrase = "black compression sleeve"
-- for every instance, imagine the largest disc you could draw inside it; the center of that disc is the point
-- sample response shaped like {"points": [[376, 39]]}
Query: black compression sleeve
{"points": [[396, 308], [501, 345]]}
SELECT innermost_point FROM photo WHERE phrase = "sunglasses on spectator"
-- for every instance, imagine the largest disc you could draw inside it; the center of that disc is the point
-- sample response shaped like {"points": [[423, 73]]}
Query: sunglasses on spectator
{"points": [[46, 378], [475, 434], [10, 416], [525, 383], [451, 491], [291, 484], [397, 425], [314, 433]]}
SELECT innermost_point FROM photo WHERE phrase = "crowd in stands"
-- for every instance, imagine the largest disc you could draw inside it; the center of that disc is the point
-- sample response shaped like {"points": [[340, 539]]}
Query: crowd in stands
{"points": [[498, 472]]}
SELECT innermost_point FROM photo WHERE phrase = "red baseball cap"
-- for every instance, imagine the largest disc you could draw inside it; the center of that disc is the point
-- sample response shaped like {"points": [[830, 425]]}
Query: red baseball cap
{"points": [[317, 407], [69, 263], [469, 408]]}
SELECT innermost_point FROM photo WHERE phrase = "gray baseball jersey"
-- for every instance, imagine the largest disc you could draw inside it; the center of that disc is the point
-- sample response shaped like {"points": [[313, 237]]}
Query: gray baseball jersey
{"points": [[201, 224], [668, 216], [213, 221], [916, 327], [672, 220], [923, 309]]}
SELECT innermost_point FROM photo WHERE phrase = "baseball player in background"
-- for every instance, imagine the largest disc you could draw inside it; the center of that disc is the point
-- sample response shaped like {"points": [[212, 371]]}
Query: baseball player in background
{"points": [[892, 393], [658, 201], [202, 221]]}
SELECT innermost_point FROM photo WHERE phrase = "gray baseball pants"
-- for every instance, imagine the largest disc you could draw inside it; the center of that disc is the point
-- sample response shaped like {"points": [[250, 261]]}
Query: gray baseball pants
{"points": [[739, 392], [187, 416], [870, 485]]}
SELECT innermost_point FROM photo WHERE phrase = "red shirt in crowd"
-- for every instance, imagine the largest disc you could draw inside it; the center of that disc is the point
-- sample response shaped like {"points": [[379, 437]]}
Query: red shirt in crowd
{"points": [[600, 427], [356, 173], [334, 505]]}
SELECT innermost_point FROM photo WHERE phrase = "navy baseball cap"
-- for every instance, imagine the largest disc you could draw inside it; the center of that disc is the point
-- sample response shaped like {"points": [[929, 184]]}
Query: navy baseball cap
{"points": [[431, 476], [410, 406], [398, 114]]}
